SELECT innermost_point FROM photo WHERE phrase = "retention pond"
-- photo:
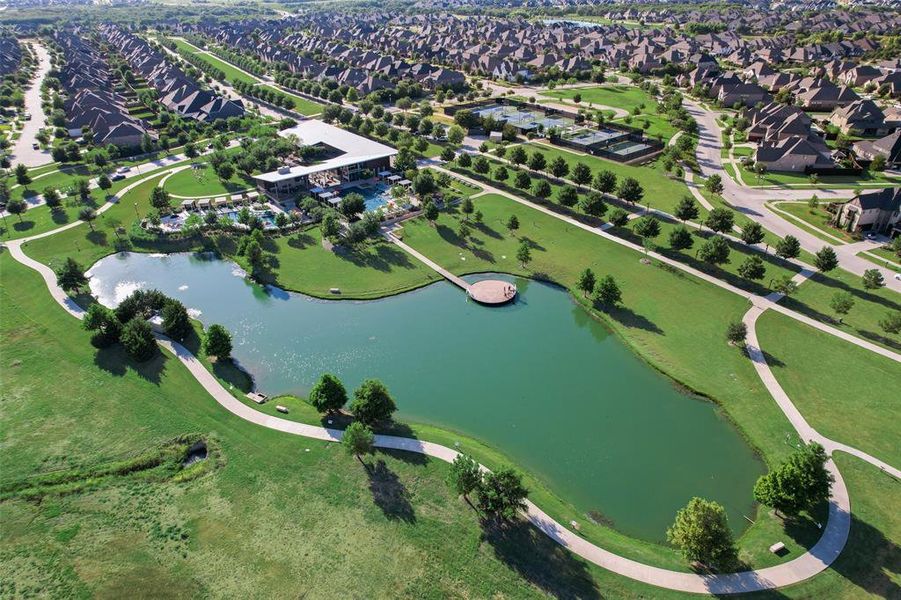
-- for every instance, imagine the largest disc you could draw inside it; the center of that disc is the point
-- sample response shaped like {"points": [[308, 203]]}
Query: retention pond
{"points": [[538, 379]]}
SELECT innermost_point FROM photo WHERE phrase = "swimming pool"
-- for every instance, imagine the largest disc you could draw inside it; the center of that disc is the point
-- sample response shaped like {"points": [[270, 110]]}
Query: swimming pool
{"points": [[375, 196], [266, 216]]}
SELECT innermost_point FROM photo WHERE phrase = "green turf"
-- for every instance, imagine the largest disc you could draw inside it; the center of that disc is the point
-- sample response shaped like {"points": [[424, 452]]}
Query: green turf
{"points": [[378, 269], [815, 295], [816, 220], [232, 73], [302, 105], [826, 181], [626, 97], [205, 182], [281, 517], [662, 191], [829, 380]]}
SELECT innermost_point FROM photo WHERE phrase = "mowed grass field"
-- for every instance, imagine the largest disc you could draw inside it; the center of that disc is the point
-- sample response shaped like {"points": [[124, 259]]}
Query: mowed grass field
{"points": [[626, 97], [232, 74], [204, 182], [661, 190], [633, 272], [847, 393], [282, 517]]}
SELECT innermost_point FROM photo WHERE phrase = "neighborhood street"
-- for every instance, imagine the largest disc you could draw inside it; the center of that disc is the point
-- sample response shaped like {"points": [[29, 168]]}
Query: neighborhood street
{"points": [[22, 150]]}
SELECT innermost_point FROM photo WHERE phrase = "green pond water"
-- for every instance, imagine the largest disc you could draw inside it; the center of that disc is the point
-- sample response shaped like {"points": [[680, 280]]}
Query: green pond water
{"points": [[538, 379]]}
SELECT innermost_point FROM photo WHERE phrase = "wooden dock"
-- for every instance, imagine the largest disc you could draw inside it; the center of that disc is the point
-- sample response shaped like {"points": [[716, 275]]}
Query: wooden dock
{"points": [[489, 291]]}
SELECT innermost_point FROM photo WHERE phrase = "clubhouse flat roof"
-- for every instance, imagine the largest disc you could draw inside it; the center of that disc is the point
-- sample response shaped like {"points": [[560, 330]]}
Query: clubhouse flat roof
{"points": [[355, 149]]}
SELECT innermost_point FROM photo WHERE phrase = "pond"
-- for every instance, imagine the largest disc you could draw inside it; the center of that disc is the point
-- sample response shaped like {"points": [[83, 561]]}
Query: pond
{"points": [[538, 379]]}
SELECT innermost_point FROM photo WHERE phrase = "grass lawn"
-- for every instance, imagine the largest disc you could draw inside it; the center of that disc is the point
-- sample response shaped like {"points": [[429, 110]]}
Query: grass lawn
{"points": [[379, 269], [660, 189], [232, 74], [741, 151], [814, 296], [829, 379], [277, 506], [205, 182], [625, 97], [886, 253], [817, 220], [238, 529], [659, 127], [302, 105], [826, 181]]}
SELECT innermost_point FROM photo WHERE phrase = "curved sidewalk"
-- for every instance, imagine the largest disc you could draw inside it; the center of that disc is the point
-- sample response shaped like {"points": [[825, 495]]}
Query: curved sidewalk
{"points": [[805, 566]]}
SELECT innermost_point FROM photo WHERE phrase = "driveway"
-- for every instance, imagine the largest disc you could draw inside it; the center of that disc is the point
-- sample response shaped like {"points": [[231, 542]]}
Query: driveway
{"points": [[22, 151]]}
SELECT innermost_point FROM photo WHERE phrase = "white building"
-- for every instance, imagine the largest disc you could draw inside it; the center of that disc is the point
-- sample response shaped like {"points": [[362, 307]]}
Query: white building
{"points": [[346, 157]]}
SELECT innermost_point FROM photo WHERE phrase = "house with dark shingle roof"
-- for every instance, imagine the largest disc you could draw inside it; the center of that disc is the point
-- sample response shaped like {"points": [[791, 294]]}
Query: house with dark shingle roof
{"points": [[861, 117], [888, 147], [879, 212]]}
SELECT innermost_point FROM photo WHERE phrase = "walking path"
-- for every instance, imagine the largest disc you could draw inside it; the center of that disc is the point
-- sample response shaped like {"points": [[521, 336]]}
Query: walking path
{"points": [[427, 261], [805, 566], [601, 231], [22, 150]]}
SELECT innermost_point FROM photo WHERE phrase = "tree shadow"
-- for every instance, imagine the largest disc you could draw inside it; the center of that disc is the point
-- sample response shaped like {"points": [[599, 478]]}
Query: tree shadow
{"points": [[380, 256], [390, 494], [232, 373], [629, 318], [115, 361], [23, 225], [540, 560], [870, 560], [483, 228], [301, 240], [97, 237], [60, 217]]}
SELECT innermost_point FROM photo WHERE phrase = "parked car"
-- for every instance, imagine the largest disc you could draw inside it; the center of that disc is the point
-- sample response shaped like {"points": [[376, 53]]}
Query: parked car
{"points": [[35, 146], [117, 177]]}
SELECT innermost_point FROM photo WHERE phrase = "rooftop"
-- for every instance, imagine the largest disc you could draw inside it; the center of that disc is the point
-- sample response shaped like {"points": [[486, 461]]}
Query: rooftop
{"points": [[352, 149]]}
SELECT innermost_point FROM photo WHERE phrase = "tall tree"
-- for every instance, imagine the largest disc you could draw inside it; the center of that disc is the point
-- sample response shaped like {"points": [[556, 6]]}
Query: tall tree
{"points": [[218, 342], [648, 228], [512, 224], [686, 209], [720, 220], [788, 247], [605, 181], [607, 292], [680, 238], [137, 339], [358, 440], [593, 204], [630, 190], [524, 253], [70, 276], [372, 402], [581, 174], [465, 476], [714, 251], [752, 268], [872, 279], [502, 495], [841, 303], [176, 322], [752, 233], [714, 184], [328, 394], [800, 483], [825, 259], [586, 282], [701, 532]]}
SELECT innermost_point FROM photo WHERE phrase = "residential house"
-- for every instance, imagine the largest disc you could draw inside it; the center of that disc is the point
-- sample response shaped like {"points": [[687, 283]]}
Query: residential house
{"points": [[877, 212]]}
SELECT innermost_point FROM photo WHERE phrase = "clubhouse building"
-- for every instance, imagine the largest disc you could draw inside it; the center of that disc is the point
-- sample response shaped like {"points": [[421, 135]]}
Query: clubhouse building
{"points": [[344, 158]]}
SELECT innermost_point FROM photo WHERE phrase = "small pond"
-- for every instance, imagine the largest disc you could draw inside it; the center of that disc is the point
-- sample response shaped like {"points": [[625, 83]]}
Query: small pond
{"points": [[538, 379]]}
